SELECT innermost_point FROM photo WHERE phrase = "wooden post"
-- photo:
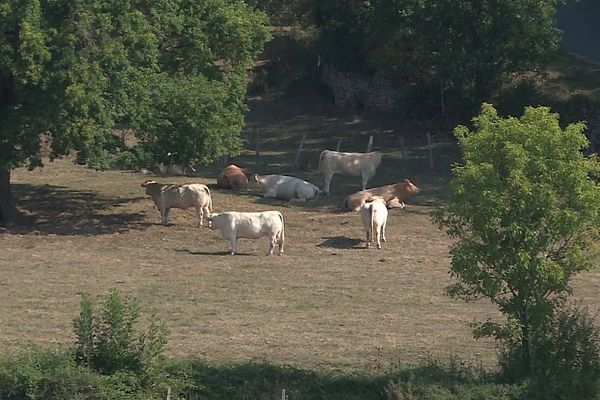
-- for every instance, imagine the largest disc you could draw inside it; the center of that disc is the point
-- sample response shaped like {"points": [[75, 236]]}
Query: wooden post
{"points": [[283, 395], [430, 151], [169, 393], [339, 144], [297, 159], [257, 148], [403, 152], [370, 145]]}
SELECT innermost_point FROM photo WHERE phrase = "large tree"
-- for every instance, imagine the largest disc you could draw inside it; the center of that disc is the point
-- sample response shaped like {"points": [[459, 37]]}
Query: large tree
{"points": [[172, 70], [524, 207]]}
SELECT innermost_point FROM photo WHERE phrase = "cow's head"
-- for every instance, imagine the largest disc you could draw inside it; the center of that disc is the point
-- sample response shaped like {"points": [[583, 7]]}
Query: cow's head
{"points": [[410, 187], [148, 183]]}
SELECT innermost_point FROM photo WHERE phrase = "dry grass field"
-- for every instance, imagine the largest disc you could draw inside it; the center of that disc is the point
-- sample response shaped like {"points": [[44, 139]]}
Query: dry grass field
{"points": [[326, 304]]}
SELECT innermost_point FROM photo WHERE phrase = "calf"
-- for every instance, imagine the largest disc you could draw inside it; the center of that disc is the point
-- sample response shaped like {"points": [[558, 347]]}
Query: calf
{"points": [[286, 187], [167, 196], [348, 164], [250, 225], [374, 215]]}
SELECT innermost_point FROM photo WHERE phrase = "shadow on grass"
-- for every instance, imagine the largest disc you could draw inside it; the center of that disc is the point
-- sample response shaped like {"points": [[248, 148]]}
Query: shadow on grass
{"points": [[211, 253], [266, 381], [339, 242], [49, 209]]}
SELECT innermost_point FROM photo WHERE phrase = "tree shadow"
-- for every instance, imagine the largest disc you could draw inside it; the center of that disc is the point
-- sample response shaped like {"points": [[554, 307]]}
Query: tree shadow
{"points": [[58, 210], [340, 242]]}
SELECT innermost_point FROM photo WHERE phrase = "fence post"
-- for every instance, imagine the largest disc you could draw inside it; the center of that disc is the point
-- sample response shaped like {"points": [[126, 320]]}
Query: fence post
{"points": [[370, 145], [430, 151], [169, 393], [403, 152], [339, 144], [297, 159], [257, 147]]}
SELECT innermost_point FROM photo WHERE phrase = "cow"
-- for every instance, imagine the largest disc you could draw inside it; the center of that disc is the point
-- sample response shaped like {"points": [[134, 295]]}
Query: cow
{"points": [[167, 196], [374, 215], [394, 195], [233, 177], [348, 164], [285, 187], [250, 225]]}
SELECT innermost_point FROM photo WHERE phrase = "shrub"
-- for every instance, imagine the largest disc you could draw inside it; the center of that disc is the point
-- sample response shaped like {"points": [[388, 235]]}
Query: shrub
{"points": [[134, 158], [109, 341]]}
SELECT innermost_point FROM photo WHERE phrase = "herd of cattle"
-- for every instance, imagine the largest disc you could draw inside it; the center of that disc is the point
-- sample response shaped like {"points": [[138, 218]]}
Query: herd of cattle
{"points": [[372, 203]]}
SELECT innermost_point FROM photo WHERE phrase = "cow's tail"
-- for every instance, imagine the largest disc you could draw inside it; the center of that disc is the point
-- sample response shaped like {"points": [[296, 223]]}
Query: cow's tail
{"points": [[282, 234], [210, 208], [372, 212], [321, 160]]}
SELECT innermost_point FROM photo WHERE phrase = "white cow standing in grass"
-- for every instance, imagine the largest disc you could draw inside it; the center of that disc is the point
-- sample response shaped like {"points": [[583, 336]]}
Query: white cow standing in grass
{"points": [[285, 187], [348, 164], [167, 196], [250, 225], [374, 215]]}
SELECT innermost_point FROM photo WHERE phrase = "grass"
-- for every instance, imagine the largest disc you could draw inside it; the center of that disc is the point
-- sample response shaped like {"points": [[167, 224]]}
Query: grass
{"points": [[327, 304]]}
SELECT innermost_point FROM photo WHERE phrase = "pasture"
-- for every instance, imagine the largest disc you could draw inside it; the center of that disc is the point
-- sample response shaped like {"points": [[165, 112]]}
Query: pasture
{"points": [[327, 304]]}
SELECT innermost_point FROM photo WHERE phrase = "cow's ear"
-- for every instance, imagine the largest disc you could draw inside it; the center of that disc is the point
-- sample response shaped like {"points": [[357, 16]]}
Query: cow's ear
{"points": [[255, 178]]}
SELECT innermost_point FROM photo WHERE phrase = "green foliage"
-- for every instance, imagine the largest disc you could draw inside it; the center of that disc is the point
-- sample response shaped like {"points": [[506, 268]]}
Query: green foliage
{"points": [[465, 48], [134, 158], [526, 214], [75, 70], [110, 342]]}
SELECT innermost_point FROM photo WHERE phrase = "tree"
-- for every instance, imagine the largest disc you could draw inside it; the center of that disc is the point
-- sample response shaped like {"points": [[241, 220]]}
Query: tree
{"points": [[525, 211], [171, 70]]}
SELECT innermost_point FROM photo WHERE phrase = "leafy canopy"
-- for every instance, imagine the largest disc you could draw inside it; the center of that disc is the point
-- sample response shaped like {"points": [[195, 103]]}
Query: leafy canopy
{"points": [[525, 212], [172, 70]]}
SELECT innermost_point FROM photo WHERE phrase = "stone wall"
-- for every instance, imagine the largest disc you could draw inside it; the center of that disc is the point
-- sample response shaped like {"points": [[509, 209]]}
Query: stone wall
{"points": [[351, 90]]}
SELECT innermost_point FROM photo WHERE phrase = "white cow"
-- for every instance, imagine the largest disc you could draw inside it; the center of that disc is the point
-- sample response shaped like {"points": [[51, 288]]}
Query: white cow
{"points": [[374, 215], [167, 196], [250, 225], [348, 164], [286, 187]]}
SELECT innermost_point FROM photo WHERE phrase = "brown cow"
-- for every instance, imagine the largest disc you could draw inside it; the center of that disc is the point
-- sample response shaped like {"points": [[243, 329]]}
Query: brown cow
{"points": [[233, 177], [393, 195]]}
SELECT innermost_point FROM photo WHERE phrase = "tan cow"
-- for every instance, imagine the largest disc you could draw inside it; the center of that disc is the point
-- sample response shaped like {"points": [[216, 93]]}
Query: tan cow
{"points": [[394, 195], [348, 164], [374, 215], [250, 225], [167, 196], [285, 187], [233, 177]]}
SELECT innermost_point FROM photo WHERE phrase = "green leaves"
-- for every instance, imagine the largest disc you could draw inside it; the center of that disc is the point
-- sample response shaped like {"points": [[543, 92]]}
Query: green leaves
{"points": [[525, 213]]}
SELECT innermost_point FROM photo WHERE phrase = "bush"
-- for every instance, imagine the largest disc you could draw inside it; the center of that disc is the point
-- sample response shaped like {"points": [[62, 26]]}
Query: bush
{"points": [[134, 158], [567, 358], [109, 342]]}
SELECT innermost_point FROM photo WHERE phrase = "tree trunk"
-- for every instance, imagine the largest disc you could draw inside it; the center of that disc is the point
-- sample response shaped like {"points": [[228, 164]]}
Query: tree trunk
{"points": [[8, 210]]}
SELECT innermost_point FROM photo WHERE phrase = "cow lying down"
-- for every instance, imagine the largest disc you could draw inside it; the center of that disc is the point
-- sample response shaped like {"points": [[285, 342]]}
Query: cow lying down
{"points": [[374, 215], [167, 196], [285, 187], [250, 225], [393, 195], [233, 177]]}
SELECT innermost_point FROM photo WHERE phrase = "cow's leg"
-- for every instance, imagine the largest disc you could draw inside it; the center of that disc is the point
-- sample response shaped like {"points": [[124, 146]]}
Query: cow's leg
{"points": [[365, 179], [206, 211], [368, 233], [233, 241], [327, 183], [394, 202], [165, 216], [272, 242], [378, 236], [199, 216], [383, 231]]}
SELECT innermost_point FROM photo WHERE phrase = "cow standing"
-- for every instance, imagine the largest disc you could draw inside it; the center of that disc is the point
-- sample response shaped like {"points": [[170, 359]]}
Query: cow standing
{"points": [[250, 225], [233, 177], [394, 195], [286, 187], [348, 164], [167, 196], [374, 215]]}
